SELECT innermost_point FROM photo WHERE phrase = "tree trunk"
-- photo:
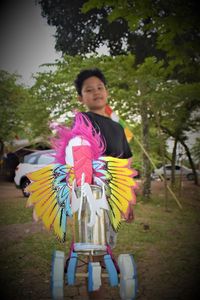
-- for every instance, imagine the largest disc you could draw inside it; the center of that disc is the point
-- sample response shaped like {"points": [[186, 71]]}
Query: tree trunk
{"points": [[190, 160], [1, 148], [174, 162], [1, 156], [163, 154], [146, 191], [187, 152]]}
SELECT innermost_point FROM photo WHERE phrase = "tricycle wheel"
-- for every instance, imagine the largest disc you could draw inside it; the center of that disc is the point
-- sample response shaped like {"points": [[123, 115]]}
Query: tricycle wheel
{"points": [[128, 277], [57, 275]]}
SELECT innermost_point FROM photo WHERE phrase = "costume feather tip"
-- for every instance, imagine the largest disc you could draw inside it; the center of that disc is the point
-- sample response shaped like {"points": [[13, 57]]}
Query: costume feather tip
{"points": [[82, 127]]}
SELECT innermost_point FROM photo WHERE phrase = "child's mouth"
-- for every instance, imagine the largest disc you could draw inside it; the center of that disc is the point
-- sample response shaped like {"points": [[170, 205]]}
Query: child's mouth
{"points": [[98, 99]]}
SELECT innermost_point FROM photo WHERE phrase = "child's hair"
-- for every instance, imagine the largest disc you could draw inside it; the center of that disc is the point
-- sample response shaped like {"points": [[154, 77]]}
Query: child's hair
{"points": [[85, 74]]}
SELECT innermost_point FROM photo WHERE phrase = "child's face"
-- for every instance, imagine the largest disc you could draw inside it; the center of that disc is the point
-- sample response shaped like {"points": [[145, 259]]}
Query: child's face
{"points": [[94, 94]]}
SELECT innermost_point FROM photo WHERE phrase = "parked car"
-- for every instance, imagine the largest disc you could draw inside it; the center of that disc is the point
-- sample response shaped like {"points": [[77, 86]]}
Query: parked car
{"points": [[179, 171], [12, 159], [31, 163]]}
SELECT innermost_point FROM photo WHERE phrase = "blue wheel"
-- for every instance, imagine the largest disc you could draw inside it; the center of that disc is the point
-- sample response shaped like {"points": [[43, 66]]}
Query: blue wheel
{"points": [[128, 277], [71, 269], [112, 272], [94, 276], [57, 275]]}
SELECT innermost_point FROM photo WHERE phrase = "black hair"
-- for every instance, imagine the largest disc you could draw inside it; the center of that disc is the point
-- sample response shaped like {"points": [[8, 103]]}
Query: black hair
{"points": [[85, 74]]}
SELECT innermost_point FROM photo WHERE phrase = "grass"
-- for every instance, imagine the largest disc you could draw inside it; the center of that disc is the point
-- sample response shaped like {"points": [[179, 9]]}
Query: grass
{"points": [[165, 244], [14, 212], [166, 247]]}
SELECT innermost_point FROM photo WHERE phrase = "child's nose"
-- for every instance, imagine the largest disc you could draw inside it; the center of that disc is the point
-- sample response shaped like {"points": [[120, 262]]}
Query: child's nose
{"points": [[96, 91]]}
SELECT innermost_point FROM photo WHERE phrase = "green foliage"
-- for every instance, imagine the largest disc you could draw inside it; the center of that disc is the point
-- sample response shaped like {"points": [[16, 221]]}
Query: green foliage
{"points": [[12, 96], [132, 89], [56, 89], [79, 33], [82, 29], [174, 25], [177, 104], [169, 103], [154, 152]]}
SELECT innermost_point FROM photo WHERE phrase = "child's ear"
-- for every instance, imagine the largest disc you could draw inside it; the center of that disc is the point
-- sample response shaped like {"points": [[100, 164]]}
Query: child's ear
{"points": [[80, 99]]}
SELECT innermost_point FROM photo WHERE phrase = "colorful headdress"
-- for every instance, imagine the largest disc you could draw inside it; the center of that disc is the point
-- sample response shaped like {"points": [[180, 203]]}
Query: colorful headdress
{"points": [[51, 187]]}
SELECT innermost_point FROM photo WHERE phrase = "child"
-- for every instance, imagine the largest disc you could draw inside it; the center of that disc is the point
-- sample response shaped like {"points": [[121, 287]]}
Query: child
{"points": [[91, 88], [92, 92], [52, 188]]}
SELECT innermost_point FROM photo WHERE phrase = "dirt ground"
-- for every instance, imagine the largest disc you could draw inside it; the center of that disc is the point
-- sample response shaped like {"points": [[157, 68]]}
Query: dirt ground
{"points": [[15, 232]]}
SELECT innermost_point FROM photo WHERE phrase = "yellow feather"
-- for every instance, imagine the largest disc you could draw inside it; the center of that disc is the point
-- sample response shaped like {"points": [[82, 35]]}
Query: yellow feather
{"points": [[115, 217], [123, 179], [119, 200], [124, 183], [56, 226], [36, 185], [41, 173], [43, 197], [37, 195], [122, 189], [116, 162], [122, 171], [50, 214], [121, 164], [42, 205]]}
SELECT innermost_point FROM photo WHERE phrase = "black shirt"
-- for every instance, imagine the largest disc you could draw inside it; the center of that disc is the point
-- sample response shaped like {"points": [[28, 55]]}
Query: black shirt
{"points": [[113, 133]]}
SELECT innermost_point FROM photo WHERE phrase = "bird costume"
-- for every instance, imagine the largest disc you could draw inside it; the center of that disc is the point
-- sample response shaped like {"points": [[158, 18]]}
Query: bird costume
{"points": [[79, 162]]}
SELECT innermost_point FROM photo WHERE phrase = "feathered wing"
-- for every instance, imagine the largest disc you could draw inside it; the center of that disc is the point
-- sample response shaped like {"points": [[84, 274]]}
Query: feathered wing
{"points": [[118, 176], [50, 196]]}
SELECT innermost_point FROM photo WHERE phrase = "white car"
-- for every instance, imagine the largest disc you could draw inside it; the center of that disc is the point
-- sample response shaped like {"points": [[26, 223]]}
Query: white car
{"points": [[179, 171], [31, 163]]}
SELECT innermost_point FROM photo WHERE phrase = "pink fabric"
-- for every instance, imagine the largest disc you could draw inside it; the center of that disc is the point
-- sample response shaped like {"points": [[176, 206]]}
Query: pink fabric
{"points": [[109, 251], [82, 163]]}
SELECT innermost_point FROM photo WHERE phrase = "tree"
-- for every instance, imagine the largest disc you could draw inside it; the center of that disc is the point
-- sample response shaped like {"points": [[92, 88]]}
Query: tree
{"points": [[83, 33], [174, 24], [12, 96], [135, 92], [161, 26], [178, 114]]}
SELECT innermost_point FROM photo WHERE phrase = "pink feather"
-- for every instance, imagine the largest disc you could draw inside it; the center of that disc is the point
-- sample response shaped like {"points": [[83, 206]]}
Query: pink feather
{"points": [[82, 127]]}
